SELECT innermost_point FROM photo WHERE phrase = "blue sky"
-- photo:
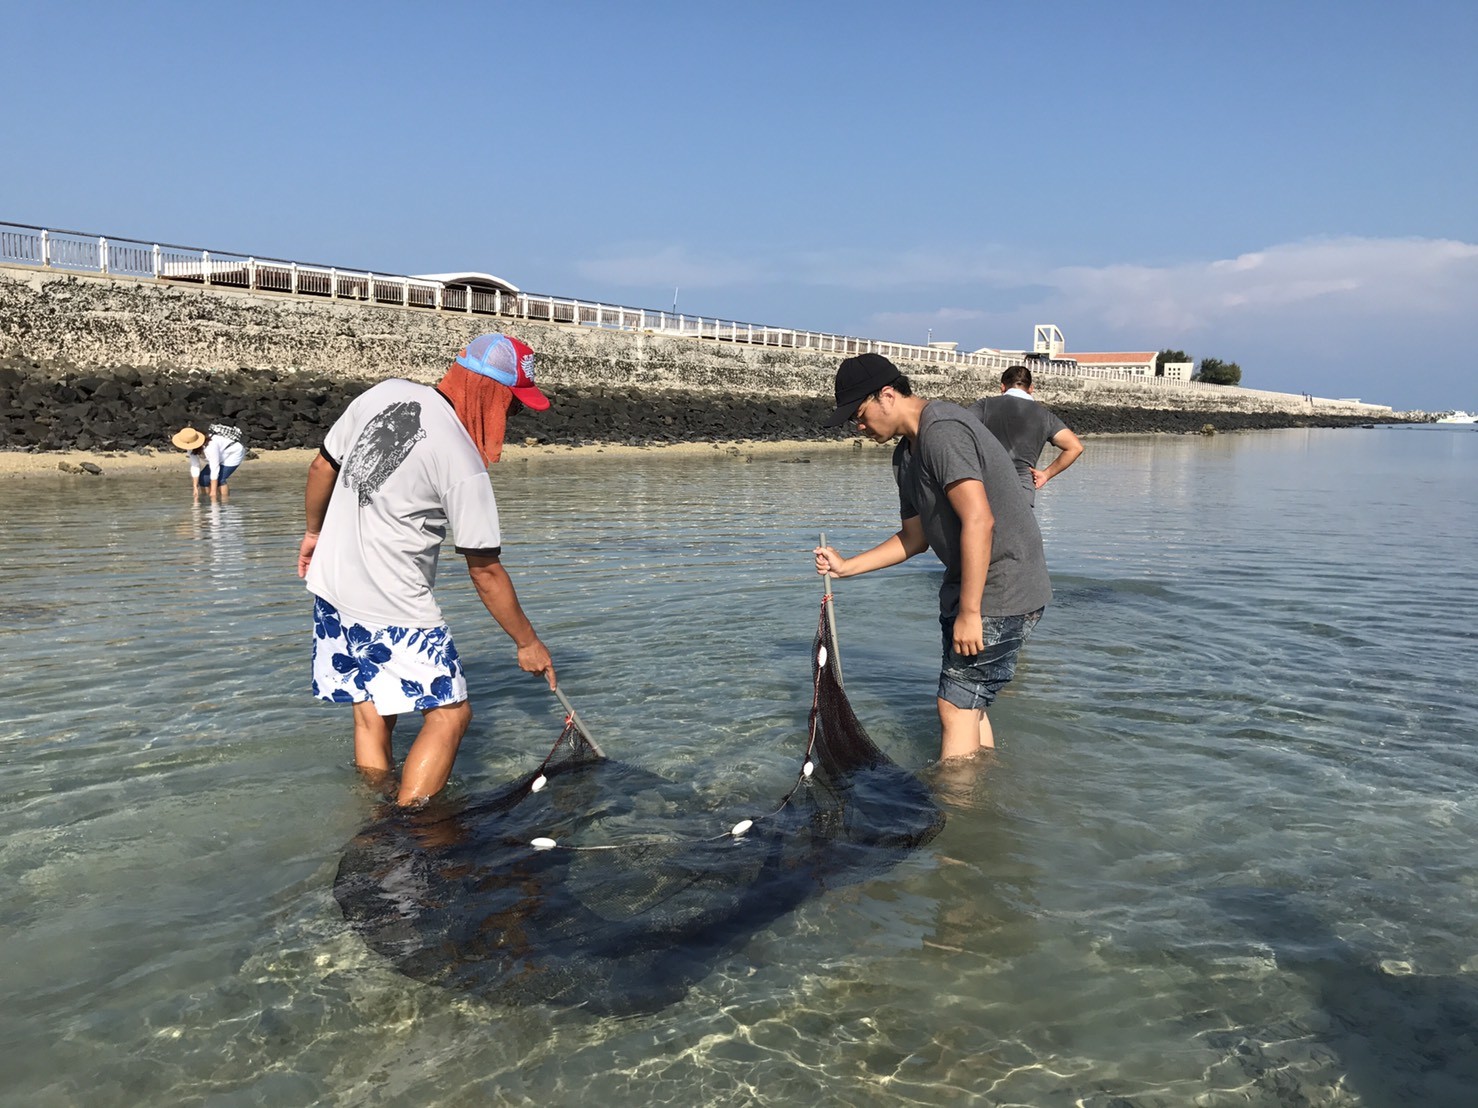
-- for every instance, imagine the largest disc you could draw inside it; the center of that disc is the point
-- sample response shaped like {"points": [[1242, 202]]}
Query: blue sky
{"points": [[1290, 186]]}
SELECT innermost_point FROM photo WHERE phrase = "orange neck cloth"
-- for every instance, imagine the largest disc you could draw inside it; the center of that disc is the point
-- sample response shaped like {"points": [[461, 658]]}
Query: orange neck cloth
{"points": [[482, 405]]}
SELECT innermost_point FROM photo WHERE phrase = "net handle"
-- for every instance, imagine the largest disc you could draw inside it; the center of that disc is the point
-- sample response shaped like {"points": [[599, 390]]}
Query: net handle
{"points": [[831, 622], [578, 722]]}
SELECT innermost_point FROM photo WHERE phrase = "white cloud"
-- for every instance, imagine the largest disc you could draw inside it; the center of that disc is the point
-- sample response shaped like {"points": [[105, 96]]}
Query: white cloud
{"points": [[1319, 279], [1332, 315], [641, 264], [1341, 303], [1384, 277], [644, 266], [946, 321]]}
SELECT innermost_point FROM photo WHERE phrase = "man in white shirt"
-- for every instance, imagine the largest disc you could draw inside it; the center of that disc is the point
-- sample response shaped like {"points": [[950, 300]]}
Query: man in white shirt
{"points": [[401, 465]]}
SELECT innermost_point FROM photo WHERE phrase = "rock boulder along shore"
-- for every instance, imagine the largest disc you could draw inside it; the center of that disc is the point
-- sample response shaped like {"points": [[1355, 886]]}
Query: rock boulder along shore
{"points": [[49, 407]]}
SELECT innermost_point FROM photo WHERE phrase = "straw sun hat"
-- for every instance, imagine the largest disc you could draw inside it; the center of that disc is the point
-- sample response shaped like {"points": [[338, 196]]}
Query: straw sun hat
{"points": [[187, 438]]}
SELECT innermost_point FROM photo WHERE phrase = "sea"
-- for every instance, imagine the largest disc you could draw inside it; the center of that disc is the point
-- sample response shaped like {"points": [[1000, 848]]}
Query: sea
{"points": [[1223, 855]]}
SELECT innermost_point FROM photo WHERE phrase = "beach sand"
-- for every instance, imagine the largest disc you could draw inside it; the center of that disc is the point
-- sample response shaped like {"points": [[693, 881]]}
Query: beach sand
{"points": [[68, 464]]}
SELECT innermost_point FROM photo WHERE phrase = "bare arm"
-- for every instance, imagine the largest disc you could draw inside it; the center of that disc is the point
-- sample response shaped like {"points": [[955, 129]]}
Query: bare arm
{"points": [[896, 548], [495, 589], [977, 530], [321, 478], [1070, 448]]}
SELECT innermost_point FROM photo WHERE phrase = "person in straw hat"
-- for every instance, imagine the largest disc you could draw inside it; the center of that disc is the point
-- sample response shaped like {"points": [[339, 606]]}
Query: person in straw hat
{"points": [[213, 454], [402, 464]]}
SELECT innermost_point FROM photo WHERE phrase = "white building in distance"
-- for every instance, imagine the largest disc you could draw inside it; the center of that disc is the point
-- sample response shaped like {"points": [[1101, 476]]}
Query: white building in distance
{"points": [[1049, 355]]}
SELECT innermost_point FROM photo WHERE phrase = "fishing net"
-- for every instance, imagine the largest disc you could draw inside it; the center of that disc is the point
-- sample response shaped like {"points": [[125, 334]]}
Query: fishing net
{"points": [[596, 884]]}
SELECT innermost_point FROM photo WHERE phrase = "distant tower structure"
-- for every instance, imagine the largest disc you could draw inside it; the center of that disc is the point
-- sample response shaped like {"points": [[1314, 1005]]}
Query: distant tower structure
{"points": [[1048, 340]]}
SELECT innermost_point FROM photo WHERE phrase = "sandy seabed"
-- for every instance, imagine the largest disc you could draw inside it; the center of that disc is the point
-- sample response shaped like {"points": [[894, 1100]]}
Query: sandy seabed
{"points": [[67, 464]]}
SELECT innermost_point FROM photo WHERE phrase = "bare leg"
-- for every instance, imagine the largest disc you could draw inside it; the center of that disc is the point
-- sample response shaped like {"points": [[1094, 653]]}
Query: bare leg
{"points": [[429, 763], [987, 736], [961, 782], [963, 730], [372, 733]]}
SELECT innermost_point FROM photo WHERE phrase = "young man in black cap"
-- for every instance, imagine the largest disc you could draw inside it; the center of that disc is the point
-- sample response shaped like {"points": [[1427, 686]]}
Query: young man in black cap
{"points": [[958, 495]]}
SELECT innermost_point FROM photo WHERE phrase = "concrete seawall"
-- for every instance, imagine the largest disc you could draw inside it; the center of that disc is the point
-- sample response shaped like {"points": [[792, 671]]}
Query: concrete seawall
{"points": [[97, 322], [70, 319]]}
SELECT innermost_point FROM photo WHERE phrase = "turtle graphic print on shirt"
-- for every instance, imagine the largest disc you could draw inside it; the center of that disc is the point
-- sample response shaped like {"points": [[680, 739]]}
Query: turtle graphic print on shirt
{"points": [[383, 444]]}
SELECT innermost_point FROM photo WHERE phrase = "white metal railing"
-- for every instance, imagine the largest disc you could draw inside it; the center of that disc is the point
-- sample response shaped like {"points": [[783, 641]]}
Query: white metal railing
{"points": [[73, 250], [36, 246]]}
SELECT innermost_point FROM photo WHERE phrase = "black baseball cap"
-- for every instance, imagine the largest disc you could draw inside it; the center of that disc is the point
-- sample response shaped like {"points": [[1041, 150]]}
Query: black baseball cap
{"points": [[857, 379]]}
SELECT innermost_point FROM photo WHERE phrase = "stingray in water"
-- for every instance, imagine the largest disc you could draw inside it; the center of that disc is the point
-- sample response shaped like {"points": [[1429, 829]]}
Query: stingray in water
{"points": [[512, 896]]}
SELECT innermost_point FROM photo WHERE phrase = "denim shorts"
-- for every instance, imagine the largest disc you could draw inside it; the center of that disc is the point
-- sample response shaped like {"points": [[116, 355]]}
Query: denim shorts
{"points": [[225, 475], [398, 669], [974, 682]]}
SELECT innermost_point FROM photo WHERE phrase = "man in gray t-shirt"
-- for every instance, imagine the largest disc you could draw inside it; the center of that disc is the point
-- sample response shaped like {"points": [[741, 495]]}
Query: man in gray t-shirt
{"points": [[1024, 426], [959, 496]]}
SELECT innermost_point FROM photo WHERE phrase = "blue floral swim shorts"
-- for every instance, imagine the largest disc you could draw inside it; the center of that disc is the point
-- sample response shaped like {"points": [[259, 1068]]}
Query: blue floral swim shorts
{"points": [[398, 669]]}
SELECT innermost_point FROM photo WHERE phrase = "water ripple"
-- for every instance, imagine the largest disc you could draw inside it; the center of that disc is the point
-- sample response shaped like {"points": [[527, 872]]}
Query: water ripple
{"points": [[1222, 856]]}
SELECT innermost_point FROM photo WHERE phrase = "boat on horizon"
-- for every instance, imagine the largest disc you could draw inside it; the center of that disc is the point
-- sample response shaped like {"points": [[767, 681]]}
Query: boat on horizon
{"points": [[1458, 416]]}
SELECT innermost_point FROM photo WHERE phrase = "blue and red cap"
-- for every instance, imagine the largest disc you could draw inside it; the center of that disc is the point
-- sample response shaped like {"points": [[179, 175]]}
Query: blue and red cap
{"points": [[507, 361]]}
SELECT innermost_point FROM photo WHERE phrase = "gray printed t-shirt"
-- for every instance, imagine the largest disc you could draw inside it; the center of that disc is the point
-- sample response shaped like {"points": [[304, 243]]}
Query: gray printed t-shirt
{"points": [[953, 445], [407, 470], [1023, 428]]}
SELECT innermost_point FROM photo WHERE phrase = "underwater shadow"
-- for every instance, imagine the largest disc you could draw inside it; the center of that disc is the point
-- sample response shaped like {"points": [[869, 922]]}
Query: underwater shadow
{"points": [[1403, 1039]]}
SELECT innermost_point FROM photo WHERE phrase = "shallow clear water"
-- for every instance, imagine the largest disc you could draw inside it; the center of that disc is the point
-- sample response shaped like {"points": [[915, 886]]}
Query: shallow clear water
{"points": [[1224, 855]]}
